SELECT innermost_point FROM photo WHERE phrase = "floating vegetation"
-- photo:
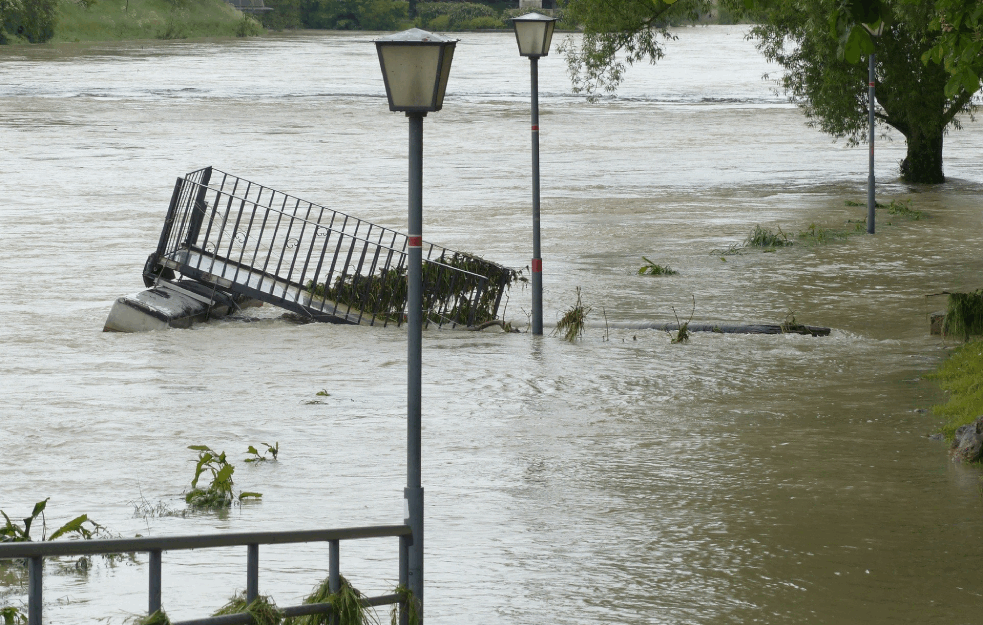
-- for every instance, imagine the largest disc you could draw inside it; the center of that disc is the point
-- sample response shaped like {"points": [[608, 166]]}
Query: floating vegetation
{"points": [[220, 492], [653, 269], [760, 237], [262, 609], [273, 450], [157, 618], [460, 289], [13, 532], [409, 603], [791, 326], [735, 249], [347, 607], [902, 208], [964, 315], [572, 323]]}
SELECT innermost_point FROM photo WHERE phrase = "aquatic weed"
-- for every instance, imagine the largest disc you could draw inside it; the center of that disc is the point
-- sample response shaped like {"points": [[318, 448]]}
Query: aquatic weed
{"points": [[760, 237], [262, 609], [572, 323], [654, 269], [347, 606]]}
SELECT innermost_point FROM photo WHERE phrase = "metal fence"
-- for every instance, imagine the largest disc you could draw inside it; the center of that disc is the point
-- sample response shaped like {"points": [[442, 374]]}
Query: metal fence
{"points": [[35, 552], [261, 243]]}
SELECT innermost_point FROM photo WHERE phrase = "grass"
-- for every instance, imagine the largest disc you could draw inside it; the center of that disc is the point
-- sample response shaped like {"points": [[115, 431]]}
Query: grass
{"points": [[157, 618], [346, 605], [961, 376], [964, 315], [121, 20], [760, 237], [262, 609]]}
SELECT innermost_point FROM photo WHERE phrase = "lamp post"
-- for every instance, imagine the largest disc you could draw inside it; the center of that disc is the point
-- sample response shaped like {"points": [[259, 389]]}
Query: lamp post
{"points": [[415, 67], [533, 33], [871, 203]]}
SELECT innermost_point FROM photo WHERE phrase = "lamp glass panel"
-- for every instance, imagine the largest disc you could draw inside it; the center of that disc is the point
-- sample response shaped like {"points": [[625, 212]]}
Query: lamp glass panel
{"points": [[445, 72], [411, 74], [530, 37], [549, 37]]}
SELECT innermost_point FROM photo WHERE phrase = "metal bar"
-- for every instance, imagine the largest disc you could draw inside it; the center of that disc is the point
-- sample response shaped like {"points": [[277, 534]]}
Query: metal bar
{"points": [[252, 572], [334, 573], [198, 214], [404, 576], [155, 581], [165, 233], [175, 543], [290, 611], [34, 589]]}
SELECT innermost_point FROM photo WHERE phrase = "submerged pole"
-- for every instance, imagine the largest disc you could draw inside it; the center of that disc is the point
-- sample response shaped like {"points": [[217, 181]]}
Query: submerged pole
{"points": [[537, 260], [871, 203], [414, 313]]}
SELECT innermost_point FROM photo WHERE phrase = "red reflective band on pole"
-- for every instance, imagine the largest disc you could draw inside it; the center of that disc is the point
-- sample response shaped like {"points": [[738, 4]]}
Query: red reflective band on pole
{"points": [[537, 265], [535, 128], [415, 241], [870, 84]]}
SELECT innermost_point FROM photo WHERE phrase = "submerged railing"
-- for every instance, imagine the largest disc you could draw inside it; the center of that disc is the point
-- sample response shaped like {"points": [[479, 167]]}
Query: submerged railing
{"points": [[258, 242], [35, 552]]}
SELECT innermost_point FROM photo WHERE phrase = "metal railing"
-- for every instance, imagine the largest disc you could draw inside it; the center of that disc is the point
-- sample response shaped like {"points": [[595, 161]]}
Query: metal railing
{"points": [[35, 552], [261, 243]]}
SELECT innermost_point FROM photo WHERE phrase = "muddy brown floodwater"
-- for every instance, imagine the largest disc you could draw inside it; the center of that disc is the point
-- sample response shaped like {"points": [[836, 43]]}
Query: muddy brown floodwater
{"points": [[620, 479]]}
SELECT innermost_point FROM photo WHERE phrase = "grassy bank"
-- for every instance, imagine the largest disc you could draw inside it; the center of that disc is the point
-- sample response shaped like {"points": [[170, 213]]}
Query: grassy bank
{"points": [[119, 20], [962, 377]]}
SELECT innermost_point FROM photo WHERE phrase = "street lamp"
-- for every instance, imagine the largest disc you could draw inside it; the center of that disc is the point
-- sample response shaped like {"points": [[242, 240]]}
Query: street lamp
{"points": [[415, 67], [871, 203], [533, 33]]}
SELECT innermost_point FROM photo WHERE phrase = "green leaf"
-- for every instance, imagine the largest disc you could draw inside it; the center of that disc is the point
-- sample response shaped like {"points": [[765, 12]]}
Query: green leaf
{"points": [[199, 447], [245, 495], [225, 473], [75, 525], [252, 450]]}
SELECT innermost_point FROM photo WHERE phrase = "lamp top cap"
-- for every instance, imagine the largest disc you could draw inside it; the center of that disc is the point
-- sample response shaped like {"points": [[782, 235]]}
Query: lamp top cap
{"points": [[533, 17], [415, 35]]}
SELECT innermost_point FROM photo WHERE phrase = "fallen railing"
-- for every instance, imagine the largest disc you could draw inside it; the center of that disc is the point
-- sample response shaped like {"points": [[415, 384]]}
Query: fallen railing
{"points": [[36, 552]]}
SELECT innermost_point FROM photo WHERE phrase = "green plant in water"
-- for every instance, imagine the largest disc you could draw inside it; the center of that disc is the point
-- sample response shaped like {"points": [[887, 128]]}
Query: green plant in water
{"points": [[653, 269], [760, 237], [790, 324], [682, 329], [572, 323], [220, 492], [273, 450], [964, 315], [262, 609], [157, 618], [409, 603], [12, 615], [11, 532], [903, 208]]}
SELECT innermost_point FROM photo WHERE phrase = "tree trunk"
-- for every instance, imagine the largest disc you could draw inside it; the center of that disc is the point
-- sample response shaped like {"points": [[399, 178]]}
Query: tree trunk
{"points": [[923, 163]]}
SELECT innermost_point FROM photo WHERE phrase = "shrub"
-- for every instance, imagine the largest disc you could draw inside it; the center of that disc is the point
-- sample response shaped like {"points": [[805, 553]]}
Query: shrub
{"points": [[33, 20], [458, 14]]}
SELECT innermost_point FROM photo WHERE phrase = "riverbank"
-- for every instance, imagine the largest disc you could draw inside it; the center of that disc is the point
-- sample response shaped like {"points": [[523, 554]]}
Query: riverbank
{"points": [[69, 21], [960, 377]]}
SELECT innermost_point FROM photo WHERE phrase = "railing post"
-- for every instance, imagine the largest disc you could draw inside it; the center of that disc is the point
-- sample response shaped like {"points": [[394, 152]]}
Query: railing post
{"points": [[154, 604], [252, 573], [34, 579], [334, 572], [404, 576]]}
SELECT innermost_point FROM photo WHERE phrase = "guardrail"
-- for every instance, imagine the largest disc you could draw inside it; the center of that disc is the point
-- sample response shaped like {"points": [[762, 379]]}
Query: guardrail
{"points": [[35, 552], [315, 261]]}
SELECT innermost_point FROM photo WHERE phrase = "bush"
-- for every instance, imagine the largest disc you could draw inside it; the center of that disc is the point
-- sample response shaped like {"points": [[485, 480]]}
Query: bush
{"points": [[480, 23], [33, 20], [459, 15], [352, 14]]}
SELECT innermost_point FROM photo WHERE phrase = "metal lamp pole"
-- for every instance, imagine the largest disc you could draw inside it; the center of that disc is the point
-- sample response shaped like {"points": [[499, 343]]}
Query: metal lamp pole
{"points": [[871, 101], [415, 66], [533, 33]]}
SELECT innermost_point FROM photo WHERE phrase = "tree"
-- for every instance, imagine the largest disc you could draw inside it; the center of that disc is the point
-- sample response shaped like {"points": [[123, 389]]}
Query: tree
{"points": [[34, 20], [821, 44]]}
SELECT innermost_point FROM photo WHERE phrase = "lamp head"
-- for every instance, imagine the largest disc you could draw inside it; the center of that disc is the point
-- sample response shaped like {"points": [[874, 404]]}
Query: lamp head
{"points": [[415, 67], [533, 33]]}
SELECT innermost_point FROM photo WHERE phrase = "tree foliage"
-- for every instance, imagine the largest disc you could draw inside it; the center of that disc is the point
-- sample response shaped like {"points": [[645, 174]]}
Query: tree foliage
{"points": [[30, 20], [928, 59], [336, 14]]}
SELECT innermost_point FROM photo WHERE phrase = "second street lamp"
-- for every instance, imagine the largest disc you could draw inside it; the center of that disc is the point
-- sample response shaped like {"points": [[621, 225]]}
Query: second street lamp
{"points": [[415, 67], [533, 33]]}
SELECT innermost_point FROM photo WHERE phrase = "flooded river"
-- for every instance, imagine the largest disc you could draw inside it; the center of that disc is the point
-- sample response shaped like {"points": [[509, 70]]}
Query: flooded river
{"points": [[619, 479]]}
